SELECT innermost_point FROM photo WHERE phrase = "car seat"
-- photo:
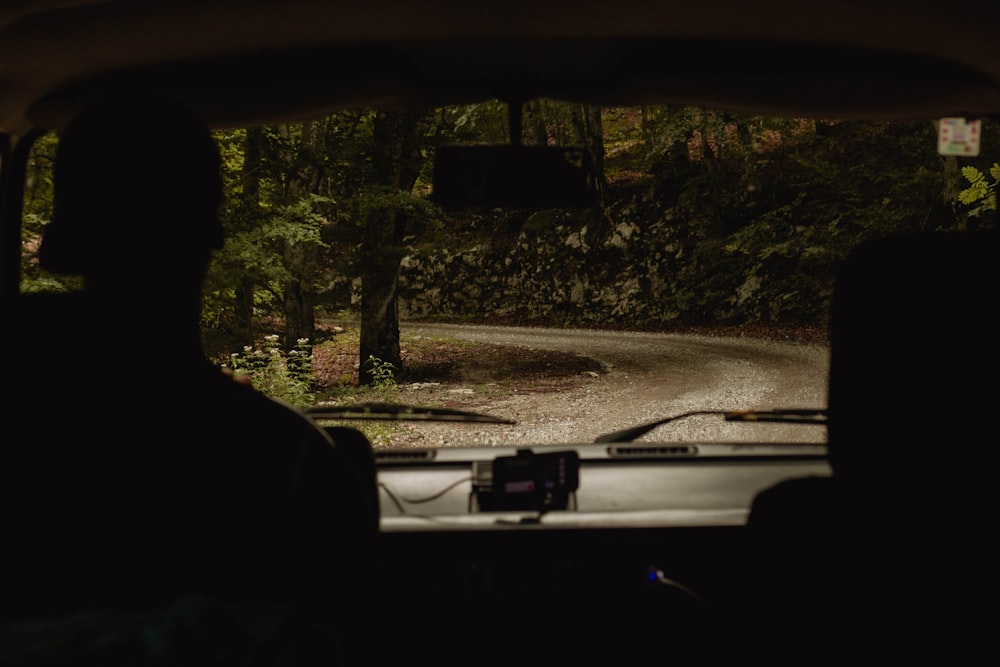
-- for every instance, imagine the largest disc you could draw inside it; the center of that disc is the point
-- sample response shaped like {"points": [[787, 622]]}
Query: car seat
{"points": [[891, 560]]}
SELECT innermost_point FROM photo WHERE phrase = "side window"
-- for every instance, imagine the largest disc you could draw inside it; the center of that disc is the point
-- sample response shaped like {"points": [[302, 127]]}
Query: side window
{"points": [[36, 213]]}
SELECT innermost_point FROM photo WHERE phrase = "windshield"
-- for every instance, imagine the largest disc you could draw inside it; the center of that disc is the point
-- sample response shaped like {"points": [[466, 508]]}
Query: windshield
{"points": [[698, 280]]}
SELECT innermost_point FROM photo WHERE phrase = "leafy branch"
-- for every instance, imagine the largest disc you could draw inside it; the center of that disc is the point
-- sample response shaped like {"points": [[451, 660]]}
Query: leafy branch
{"points": [[981, 190]]}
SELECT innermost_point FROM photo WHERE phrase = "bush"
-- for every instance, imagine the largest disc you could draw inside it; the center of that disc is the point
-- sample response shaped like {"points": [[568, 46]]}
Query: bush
{"points": [[288, 377]]}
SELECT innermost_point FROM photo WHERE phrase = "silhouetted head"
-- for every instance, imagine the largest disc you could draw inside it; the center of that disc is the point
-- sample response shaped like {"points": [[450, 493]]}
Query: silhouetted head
{"points": [[137, 193]]}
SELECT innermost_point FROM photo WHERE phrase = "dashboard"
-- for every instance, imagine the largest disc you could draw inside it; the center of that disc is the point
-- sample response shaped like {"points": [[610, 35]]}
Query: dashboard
{"points": [[584, 554], [583, 485]]}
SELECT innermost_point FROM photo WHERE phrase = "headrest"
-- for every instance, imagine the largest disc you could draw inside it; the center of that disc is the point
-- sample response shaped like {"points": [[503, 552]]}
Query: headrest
{"points": [[914, 354]]}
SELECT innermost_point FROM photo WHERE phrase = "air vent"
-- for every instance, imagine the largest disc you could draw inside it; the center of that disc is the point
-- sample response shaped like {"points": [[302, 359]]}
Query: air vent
{"points": [[405, 456], [655, 451]]}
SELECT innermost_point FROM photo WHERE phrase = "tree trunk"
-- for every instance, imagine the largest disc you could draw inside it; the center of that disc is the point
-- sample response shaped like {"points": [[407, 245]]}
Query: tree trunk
{"points": [[301, 259], [533, 125], [379, 295], [590, 128], [397, 164], [300, 315], [250, 205]]}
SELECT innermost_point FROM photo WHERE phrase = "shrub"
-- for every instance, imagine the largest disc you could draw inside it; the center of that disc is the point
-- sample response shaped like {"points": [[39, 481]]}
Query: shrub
{"points": [[285, 376]]}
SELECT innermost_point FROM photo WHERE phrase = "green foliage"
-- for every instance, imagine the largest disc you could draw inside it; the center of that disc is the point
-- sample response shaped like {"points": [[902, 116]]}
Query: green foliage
{"points": [[420, 215], [38, 179], [232, 146], [981, 194], [483, 122], [383, 372], [288, 377], [383, 378], [36, 214]]}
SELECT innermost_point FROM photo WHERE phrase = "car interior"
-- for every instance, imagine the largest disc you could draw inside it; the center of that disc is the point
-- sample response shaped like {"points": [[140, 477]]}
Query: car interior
{"points": [[870, 542]]}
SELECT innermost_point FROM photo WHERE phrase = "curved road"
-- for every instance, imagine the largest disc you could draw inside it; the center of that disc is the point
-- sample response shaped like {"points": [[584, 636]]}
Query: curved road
{"points": [[649, 376]]}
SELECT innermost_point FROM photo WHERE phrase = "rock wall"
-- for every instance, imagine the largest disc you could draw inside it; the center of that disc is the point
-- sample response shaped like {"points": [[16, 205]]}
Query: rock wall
{"points": [[558, 267], [637, 264]]}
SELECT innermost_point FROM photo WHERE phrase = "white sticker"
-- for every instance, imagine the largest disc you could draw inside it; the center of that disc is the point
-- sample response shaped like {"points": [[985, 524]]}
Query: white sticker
{"points": [[958, 137]]}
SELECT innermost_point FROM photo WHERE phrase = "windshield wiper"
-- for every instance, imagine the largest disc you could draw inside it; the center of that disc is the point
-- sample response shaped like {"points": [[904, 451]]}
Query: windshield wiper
{"points": [[788, 415], [397, 412]]}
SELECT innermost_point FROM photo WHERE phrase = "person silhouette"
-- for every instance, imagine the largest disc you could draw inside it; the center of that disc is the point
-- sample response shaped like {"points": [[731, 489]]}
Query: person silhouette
{"points": [[189, 517]]}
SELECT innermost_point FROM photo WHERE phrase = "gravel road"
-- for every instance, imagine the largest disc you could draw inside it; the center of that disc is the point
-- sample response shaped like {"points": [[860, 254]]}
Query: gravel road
{"points": [[647, 376]]}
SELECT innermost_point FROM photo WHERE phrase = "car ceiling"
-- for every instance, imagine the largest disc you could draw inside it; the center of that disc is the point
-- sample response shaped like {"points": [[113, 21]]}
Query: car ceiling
{"points": [[248, 62]]}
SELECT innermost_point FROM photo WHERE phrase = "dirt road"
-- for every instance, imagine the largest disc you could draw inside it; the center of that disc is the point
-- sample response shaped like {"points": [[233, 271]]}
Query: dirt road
{"points": [[643, 376]]}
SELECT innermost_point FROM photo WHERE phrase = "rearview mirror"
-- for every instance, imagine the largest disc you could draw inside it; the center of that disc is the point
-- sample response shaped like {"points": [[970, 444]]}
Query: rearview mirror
{"points": [[513, 176]]}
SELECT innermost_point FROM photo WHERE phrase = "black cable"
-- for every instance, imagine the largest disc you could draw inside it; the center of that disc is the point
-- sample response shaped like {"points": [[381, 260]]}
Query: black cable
{"points": [[398, 500]]}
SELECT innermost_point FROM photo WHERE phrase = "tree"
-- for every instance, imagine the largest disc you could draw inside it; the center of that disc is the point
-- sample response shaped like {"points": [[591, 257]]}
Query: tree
{"points": [[273, 219], [301, 253], [396, 164]]}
